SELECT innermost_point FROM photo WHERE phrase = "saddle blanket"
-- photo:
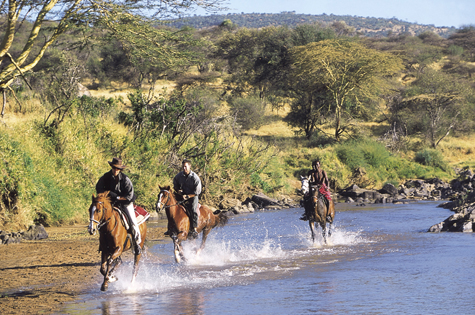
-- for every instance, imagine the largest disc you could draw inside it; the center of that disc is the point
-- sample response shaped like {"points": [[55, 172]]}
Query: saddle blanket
{"points": [[140, 213]]}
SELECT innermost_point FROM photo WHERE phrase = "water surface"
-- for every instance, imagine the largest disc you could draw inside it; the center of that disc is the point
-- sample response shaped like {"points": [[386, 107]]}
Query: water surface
{"points": [[381, 260]]}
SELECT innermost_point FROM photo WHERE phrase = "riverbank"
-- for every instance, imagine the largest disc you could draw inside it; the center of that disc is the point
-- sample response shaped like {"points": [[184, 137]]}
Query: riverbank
{"points": [[38, 277]]}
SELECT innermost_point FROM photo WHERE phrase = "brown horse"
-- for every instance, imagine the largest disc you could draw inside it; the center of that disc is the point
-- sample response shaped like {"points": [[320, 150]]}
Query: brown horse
{"points": [[113, 237], [179, 223], [318, 212]]}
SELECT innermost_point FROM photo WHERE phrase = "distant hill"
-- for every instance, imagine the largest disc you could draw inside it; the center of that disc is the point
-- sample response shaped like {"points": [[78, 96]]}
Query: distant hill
{"points": [[368, 26]]}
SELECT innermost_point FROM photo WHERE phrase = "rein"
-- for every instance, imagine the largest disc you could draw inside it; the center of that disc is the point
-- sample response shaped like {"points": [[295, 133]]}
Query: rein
{"points": [[168, 198], [99, 224]]}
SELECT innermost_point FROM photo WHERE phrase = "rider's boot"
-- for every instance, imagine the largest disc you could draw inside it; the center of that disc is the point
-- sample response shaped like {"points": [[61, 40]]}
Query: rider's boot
{"points": [[137, 240], [304, 217], [193, 225]]}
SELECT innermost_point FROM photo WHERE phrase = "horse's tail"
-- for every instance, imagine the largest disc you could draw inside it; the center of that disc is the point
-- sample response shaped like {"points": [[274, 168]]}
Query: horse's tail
{"points": [[221, 218]]}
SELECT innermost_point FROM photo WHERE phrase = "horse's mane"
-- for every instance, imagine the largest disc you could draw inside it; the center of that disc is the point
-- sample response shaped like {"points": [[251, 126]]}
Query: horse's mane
{"points": [[104, 197]]}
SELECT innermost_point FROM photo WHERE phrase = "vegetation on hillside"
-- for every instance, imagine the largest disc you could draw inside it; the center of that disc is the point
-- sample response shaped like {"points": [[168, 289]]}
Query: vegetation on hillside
{"points": [[373, 110], [367, 26]]}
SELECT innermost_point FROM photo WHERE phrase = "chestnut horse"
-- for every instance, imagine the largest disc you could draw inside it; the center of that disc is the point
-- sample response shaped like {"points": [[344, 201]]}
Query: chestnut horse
{"points": [[318, 212], [113, 237], [179, 223]]}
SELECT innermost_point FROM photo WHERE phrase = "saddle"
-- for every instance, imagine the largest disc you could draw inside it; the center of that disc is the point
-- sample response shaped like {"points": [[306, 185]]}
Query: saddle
{"points": [[140, 213]]}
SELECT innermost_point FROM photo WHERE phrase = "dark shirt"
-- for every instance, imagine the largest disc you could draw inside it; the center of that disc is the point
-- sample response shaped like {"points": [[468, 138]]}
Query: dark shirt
{"points": [[122, 186], [191, 184]]}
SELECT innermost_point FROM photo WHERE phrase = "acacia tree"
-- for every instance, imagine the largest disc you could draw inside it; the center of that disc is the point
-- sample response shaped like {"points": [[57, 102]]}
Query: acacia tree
{"points": [[341, 70], [433, 105], [124, 20]]}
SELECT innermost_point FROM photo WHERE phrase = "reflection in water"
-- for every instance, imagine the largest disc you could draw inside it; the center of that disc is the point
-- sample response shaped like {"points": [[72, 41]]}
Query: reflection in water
{"points": [[124, 304]]}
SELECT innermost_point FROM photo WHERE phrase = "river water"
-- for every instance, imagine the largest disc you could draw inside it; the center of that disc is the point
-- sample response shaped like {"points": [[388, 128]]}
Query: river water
{"points": [[381, 260]]}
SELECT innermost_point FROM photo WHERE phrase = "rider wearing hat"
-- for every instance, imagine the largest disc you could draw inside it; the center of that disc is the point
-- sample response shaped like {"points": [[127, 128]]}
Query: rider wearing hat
{"points": [[121, 191], [317, 177]]}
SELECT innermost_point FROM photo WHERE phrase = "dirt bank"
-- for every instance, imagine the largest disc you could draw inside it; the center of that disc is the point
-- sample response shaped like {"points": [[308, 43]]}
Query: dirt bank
{"points": [[37, 277]]}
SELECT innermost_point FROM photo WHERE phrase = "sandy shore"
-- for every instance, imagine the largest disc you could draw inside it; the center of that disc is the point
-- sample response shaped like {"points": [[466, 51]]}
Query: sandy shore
{"points": [[38, 277]]}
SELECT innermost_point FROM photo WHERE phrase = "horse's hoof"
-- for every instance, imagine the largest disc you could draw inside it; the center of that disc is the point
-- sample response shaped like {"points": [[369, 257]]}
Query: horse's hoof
{"points": [[104, 287]]}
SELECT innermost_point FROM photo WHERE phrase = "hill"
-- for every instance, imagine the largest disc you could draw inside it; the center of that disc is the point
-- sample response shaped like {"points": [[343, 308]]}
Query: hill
{"points": [[367, 26]]}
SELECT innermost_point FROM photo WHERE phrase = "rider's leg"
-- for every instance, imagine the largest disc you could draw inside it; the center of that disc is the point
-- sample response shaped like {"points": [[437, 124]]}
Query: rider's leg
{"points": [[194, 216], [133, 220]]}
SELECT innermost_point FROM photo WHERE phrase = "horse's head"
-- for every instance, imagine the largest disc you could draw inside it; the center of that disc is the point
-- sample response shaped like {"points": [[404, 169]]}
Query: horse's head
{"points": [[305, 184], [165, 196], [97, 212]]}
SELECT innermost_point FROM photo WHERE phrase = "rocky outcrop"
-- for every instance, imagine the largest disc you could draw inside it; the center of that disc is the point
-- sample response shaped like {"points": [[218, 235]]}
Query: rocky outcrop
{"points": [[462, 203], [431, 189], [257, 202], [34, 232]]}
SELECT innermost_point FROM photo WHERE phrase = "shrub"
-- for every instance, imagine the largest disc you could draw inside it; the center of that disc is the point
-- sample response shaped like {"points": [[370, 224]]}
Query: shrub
{"points": [[431, 157]]}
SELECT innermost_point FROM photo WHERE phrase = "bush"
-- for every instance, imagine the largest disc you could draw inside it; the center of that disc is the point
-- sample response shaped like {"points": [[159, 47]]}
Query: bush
{"points": [[431, 157], [249, 111]]}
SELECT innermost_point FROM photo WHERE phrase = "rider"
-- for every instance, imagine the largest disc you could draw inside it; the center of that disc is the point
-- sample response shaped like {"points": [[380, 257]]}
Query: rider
{"points": [[188, 185], [121, 190], [317, 177]]}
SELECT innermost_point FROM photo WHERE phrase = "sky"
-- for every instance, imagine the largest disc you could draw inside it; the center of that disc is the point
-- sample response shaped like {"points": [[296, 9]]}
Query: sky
{"points": [[439, 13]]}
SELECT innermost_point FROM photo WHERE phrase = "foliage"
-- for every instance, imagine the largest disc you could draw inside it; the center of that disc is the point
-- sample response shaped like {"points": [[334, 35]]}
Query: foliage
{"points": [[368, 26], [432, 105], [431, 157], [249, 111], [143, 42], [344, 71]]}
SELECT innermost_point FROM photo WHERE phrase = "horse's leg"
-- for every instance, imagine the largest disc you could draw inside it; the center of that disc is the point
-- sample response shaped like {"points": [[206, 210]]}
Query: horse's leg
{"points": [[203, 240], [104, 271], [312, 229], [323, 224], [115, 264], [136, 267], [178, 250]]}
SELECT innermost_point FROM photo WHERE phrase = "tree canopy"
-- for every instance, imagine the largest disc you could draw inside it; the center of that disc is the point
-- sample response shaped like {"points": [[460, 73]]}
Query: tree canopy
{"points": [[133, 23], [342, 70]]}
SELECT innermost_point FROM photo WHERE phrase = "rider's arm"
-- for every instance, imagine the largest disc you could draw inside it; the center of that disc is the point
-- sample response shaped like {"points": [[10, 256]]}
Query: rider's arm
{"points": [[128, 193]]}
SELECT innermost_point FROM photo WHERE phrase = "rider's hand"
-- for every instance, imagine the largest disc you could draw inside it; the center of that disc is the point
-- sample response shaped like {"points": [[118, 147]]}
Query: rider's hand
{"points": [[186, 197]]}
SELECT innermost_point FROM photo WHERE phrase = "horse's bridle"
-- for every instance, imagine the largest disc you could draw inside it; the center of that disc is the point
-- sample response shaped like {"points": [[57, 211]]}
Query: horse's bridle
{"points": [[91, 220], [159, 208]]}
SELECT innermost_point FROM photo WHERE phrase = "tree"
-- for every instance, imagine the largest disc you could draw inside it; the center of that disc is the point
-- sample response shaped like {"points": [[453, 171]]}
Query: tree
{"points": [[346, 70], [122, 19], [432, 105]]}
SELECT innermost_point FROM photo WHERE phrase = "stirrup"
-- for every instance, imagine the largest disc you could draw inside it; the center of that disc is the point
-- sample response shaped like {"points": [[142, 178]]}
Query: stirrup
{"points": [[167, 233]]}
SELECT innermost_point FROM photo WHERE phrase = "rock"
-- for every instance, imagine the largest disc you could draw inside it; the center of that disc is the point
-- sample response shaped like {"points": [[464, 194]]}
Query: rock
{"points": [[35, 232], [389, 189], [263, 201], [228, 203]]}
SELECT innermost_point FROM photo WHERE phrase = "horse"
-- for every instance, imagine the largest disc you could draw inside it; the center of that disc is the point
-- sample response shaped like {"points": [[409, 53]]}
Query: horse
{"points": [[113, 237], [317, 210], [179, 223]]}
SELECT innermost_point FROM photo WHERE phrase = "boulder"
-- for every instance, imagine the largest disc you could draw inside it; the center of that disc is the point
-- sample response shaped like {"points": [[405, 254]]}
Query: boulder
{"points": [[389, 189], [263, 201], [35, 232]]}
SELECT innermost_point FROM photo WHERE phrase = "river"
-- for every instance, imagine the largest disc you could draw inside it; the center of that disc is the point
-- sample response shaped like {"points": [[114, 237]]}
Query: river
{"points": [[381, 260]]}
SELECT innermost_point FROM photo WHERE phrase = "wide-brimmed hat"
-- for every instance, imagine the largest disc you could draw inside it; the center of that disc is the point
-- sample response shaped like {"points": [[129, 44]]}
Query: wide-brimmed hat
{"points": [[117, 163]]}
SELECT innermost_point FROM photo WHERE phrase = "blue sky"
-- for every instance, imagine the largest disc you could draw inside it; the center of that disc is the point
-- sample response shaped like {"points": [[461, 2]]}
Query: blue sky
{"points": [[437, 12]]}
